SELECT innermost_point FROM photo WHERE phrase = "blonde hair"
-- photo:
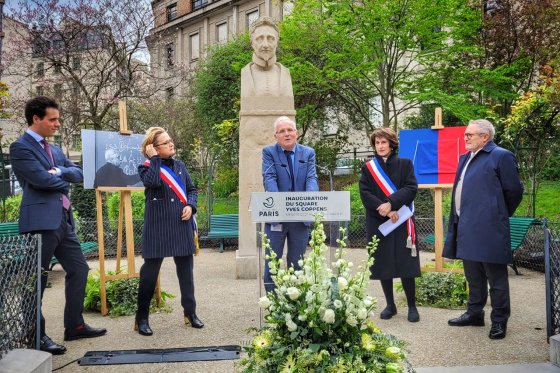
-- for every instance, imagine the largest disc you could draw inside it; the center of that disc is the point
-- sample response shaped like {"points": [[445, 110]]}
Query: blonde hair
{"points": [[150, 138]]}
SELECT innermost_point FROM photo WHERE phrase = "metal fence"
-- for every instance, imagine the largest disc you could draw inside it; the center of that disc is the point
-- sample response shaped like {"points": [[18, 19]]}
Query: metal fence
{"points": [[19, 292], [529, 255], [552, 275]]}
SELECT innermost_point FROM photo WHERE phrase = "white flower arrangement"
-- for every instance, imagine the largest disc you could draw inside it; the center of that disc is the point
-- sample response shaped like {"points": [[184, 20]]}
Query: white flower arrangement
{"points": [[317, 318]]}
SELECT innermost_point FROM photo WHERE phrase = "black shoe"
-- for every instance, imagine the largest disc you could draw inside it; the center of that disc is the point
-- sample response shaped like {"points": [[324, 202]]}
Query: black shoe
{"points": [[413, 315], [498, 330], [142, 327], [83, 331], [468, 320], [388, 312], [48, 345], [194, 321]]}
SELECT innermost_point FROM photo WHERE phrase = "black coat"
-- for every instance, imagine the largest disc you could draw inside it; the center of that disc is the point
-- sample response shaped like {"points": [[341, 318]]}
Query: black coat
{"points": [[164, 233], [392, 257]]}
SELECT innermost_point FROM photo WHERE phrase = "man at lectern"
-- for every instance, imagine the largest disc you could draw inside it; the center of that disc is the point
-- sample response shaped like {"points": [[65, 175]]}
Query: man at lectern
{"points": [[287, 167], [45, 175]]}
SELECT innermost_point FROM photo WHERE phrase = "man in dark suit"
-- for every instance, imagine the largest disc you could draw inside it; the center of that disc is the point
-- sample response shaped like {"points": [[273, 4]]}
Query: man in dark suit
{"points": [[287, 167], [45, 174], [487, 190]]}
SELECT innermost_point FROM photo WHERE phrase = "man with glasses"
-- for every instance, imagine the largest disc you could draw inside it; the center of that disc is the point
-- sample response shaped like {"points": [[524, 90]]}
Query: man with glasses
{"points": [[486, 192], [287, 167]]}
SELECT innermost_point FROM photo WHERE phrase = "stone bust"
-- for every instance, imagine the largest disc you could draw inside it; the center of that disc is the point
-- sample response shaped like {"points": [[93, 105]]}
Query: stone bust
{"points": [[264, 76]]}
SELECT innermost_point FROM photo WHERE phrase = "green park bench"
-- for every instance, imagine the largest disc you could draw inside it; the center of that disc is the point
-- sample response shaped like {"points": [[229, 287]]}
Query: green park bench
{"points": [[10, 229], [518, 228], [223, 226]]}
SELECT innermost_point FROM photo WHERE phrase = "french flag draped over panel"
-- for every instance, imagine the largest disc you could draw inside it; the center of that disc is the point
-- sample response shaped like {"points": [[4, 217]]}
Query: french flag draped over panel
{"points": [[435, 153]]}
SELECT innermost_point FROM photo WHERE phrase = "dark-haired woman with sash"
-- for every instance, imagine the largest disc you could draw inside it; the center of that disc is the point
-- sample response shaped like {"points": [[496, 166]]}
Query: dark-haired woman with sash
{"points": [[387, 188], [169, 226]]}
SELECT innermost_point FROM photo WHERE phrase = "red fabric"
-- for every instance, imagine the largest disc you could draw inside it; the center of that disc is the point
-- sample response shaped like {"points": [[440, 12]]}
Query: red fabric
{"points": [[451, 145]]}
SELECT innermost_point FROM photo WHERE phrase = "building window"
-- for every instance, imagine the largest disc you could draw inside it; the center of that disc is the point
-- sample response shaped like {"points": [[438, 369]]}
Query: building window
{"points": [[57, 68], [169, 55], [58, 90], [76, 63], [221, 33], [76, 91], [171, 12], [287, 8], [169, 93], [39, 90], [197, 4], [251, 17], [195, 46], [40, 69]]}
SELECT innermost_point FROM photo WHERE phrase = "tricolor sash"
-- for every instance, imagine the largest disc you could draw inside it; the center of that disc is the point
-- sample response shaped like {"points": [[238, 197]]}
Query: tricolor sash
{"points": [[171, 179], [388, 188]]}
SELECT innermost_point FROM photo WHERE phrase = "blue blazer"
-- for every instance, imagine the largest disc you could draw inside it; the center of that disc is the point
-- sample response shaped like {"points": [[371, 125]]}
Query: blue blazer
{"points": [[276, 177], [41, 205]]}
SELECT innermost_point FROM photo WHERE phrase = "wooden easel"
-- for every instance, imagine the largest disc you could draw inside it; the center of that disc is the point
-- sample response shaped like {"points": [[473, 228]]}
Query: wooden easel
{"points": [[125, 211], [438, 212]]}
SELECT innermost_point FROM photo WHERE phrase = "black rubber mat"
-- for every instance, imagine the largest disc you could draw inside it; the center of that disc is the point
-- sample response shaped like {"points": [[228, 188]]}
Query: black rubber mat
{"points": [[169, 355]]}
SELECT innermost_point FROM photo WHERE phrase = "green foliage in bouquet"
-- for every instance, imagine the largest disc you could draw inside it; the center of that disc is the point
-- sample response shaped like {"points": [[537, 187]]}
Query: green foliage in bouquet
{"points": [[318, 318], [122, 295]]}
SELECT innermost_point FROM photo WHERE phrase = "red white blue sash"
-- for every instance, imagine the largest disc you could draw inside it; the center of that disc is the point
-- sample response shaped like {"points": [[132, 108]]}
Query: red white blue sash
{"points": [[179, 189], [172, 180], [388, 188]]}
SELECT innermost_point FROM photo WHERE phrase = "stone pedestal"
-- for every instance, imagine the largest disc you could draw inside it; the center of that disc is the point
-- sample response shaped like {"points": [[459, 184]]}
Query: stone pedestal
{"points": [[26, 361], [555, 349], [256, 130]]}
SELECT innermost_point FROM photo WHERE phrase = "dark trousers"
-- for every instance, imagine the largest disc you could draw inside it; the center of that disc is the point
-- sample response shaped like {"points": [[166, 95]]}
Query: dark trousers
{"points": [[479, 275], [65, 246], [298, 237], [148, 279]]}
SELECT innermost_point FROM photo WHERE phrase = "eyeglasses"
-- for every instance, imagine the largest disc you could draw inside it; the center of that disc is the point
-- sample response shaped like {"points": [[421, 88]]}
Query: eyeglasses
{"points": [[164, 143], [284, 131], [468, 136]]}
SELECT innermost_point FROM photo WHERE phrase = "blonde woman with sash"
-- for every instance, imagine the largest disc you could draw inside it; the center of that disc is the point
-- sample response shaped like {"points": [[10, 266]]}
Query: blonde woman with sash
{"points": [[387, 184], [169, 225]]}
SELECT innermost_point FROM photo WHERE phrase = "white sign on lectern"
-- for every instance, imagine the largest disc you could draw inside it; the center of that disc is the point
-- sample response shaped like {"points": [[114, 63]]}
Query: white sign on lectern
{"points": [[267, 207]]}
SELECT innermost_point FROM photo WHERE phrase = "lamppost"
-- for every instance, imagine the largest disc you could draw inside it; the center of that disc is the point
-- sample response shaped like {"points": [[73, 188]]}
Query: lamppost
{"points": [[2, 168]]}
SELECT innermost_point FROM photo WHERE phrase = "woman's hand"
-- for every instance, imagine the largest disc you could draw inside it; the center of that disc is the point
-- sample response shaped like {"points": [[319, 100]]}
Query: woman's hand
{"points": [[187, 213], [150, 150], [384, 208], [394, 216]]}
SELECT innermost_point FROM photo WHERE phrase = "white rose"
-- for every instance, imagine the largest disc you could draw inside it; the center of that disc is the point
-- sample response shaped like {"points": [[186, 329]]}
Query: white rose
{"points": [[264, 302], [293, 293], [362, 314], [337, 304], [351, 320], [368, 301], [329, 316], [291, 325], [286, 278], [342, 283], [302, 317]]}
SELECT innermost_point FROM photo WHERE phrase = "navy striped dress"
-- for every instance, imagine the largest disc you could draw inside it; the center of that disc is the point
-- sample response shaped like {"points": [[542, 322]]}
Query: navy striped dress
{"points": [[164, 233]]}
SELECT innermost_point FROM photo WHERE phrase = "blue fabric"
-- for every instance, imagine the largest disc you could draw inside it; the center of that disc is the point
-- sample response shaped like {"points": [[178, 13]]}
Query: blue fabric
{"points": [[421, 147]]}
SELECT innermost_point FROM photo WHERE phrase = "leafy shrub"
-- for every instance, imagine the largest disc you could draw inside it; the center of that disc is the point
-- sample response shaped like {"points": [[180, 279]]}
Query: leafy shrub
{"points": [[226, 182], [11, 208], [441, 289], [83, 202], [113, 203], [122, 296], [356, 226]]}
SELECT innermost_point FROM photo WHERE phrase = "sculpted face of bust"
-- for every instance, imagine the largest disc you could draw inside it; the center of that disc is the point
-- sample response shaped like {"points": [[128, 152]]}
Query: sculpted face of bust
{"points": [[264, 41]]}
